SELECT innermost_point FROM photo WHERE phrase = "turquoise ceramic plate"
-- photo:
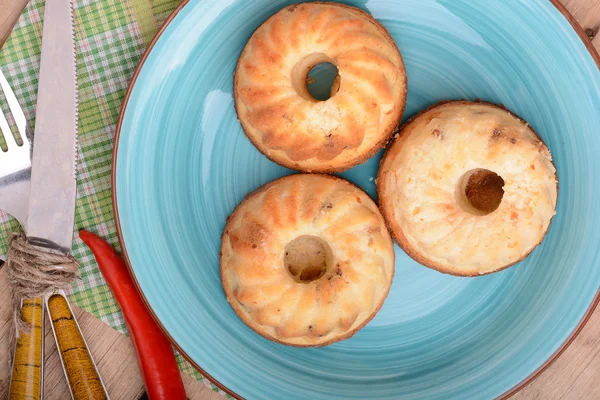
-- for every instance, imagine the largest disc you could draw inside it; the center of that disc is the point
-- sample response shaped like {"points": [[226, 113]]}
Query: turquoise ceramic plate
{"points": [[183, 163]]}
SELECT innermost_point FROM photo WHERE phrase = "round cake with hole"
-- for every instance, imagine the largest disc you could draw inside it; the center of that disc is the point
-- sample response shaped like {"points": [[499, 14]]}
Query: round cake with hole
{"points": [[467, 188], [280, 116], [306, 260]]}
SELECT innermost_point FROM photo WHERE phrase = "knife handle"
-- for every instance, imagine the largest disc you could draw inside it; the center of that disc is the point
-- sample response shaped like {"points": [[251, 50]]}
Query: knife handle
{"points": [[27, 376], [79, 367]]}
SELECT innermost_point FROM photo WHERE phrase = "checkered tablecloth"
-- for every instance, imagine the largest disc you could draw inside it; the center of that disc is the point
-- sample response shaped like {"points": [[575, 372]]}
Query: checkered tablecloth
{"points": [[111, 36]]}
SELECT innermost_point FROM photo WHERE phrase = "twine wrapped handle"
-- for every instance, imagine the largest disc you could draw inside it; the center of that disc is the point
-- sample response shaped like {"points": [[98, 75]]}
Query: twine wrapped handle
{"points": [[35, 272]]}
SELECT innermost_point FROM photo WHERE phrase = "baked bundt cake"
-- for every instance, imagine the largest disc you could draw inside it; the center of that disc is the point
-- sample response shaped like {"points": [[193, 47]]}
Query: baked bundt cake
{"points": [[467, 188], [306, 260], [285, 122]]}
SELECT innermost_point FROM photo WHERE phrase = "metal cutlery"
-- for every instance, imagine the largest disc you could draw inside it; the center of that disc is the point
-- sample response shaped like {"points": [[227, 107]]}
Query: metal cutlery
{"points": [[15, 162], [48, 212], [15, 176]]}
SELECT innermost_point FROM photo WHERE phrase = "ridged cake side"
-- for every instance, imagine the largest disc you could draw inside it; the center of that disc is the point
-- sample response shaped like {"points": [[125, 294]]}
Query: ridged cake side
{"points": [[280, 117], [263, 292]]}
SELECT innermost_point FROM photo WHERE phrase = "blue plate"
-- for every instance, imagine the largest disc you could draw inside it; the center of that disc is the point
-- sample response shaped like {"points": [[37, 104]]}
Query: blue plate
{"points": [[183, 164]]}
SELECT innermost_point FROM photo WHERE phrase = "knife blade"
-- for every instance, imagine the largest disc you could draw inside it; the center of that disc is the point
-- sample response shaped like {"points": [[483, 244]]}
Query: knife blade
{"points": [[53, 190], [53, 178]]}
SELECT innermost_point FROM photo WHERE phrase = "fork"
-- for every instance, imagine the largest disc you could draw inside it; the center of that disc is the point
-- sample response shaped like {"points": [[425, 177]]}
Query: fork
{"points": [[15, 162], [15, 177]]}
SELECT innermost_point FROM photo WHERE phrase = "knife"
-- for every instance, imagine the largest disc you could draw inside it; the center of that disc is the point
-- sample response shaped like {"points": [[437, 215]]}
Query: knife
{"points": [[53, 194]]}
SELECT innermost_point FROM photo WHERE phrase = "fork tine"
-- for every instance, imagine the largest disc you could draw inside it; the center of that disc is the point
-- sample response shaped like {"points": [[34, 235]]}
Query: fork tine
{"points": [[13, 104], [8, 136]]}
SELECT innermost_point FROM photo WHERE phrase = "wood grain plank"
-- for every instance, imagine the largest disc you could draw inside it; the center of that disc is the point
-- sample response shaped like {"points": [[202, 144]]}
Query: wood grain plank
{"points": [[573, 372], [112, 351], [10, 10], [197, 390], [587, 13]]}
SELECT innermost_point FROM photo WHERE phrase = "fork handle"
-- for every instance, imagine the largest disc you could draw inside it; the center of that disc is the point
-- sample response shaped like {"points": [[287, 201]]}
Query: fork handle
{"points": [[27, 376], [79, 367]]}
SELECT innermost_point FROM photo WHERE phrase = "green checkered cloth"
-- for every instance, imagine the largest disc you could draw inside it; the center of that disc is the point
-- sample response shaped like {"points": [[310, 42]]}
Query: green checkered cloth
{"points": [[111, 36]]}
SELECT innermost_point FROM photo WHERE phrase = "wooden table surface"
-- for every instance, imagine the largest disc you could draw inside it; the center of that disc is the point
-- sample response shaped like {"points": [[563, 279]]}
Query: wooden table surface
{"points": [[574, 375]]}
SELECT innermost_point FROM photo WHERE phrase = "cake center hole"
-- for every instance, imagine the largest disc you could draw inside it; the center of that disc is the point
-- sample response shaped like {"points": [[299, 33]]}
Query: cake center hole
{"points": [[316, 77], [323, 81], [307, 258], [481, 191]]}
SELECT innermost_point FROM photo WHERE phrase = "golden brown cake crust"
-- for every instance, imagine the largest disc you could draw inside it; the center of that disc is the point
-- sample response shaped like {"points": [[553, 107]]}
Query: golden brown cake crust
{"points": [[353, 198], [346, 137], [386, 193]]}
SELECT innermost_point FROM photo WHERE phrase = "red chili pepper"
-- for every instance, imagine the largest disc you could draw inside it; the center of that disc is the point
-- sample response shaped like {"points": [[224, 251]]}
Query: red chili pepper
{"points": [[154, 352]]}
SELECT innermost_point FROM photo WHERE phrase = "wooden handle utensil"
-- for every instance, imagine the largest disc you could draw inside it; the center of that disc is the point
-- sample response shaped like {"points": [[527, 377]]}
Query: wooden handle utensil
{"points": [[81, 372], [27, 377]]}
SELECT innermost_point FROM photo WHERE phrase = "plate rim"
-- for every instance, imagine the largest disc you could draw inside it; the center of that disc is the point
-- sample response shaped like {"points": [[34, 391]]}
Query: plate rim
{"points": [[509, 393]]}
